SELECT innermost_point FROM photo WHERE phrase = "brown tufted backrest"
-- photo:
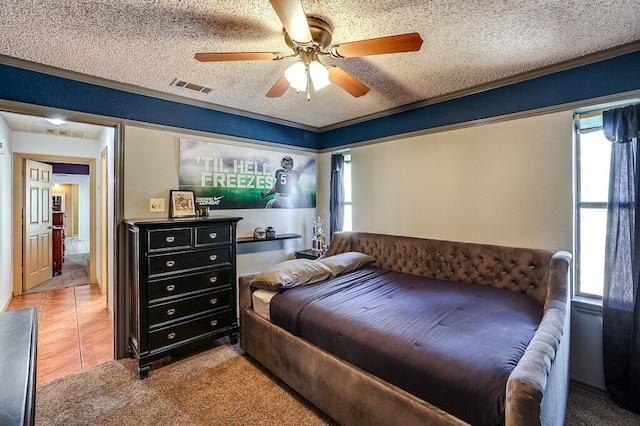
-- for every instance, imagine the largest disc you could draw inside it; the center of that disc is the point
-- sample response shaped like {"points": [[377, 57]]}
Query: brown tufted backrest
{"points": [[517, 269]]}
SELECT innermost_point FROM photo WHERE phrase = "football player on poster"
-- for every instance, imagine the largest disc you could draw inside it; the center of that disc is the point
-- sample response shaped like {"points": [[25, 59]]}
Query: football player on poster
{"points": [[286, 180]]}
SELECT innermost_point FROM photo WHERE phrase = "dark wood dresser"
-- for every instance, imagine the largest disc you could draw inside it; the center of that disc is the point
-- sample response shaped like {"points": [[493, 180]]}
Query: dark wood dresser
{"points": [[58, 247], [182, 283]]}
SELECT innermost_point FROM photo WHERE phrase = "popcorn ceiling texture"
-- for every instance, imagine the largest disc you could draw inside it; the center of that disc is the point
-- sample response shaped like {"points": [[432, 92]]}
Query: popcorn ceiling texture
{"points": [[149, 43]]}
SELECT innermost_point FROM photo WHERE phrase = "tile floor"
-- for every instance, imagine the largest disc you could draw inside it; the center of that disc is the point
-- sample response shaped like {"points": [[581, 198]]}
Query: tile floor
{"points": [[75, 246], [75, 330]]}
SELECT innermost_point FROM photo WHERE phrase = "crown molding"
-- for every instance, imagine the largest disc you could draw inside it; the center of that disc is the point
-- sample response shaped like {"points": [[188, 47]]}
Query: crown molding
{"points": [[181, 131]]}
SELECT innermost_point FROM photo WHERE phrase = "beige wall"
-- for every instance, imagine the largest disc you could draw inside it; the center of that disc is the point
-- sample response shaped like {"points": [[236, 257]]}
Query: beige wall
{"points": [[151, 170], [70, 208], [507, 183]]}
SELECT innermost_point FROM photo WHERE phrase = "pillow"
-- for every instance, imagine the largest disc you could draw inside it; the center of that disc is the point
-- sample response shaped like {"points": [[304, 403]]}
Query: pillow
{"points": [[346, 262], [291, 273]]}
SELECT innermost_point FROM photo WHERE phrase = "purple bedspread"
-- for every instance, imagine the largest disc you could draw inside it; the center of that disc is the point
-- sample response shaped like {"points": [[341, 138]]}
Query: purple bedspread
{"points": [[453, 345]]}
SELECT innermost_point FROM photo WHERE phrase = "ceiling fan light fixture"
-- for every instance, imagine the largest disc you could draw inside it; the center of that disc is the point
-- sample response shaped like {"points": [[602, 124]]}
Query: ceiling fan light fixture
{"points": [[310, 37], [319, 75], [300, 75], [296, 75]]}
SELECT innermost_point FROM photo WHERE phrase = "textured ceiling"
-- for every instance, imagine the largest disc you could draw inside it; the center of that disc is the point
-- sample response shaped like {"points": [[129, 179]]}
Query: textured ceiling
{"points": [[150, 43], [39, 125]]}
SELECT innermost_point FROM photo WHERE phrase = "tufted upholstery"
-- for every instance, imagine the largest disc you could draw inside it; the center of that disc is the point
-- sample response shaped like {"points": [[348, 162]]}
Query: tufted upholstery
{"points": [[537, 388], [519, 270]]}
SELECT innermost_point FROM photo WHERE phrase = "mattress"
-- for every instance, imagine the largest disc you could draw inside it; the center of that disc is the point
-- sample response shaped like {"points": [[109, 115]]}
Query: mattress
{"points": [[451, 344], [261, 300]]}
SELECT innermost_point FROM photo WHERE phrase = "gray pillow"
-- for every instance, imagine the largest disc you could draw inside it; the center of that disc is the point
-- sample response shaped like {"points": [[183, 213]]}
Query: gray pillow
{"points": [[346, 262], [291, 273]]}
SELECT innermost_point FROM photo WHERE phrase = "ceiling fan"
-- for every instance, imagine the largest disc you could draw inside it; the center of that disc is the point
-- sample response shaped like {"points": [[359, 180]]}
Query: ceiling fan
{"points": [[310, 38]]}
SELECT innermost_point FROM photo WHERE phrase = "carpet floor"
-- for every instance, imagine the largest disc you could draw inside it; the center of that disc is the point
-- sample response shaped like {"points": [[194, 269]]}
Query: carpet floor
{"points": [[75, 271], [221, 386], [216, 387]]}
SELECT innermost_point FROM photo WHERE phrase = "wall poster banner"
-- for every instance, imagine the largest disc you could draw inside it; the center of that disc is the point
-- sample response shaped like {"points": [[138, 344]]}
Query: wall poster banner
{"points": [[233, 177]]}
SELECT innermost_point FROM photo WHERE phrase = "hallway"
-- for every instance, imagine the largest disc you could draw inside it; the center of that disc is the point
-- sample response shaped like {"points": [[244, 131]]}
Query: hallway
{"points": [[75, 330]]}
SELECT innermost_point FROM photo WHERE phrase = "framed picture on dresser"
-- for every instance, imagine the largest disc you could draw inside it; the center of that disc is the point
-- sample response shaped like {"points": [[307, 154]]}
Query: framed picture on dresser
{"points": [[182, 203]]}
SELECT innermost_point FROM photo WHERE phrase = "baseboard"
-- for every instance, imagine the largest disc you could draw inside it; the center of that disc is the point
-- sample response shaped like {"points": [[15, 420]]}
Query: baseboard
{"points": [[6, 306], [591, 388]]}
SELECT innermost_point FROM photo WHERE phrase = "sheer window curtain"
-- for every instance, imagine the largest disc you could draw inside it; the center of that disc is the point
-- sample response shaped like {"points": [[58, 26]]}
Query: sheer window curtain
{"points": [[336, 198], [620, 310]]}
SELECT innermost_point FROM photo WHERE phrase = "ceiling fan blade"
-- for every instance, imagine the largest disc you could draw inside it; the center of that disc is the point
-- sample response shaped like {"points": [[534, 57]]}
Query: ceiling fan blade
{"points": [[293, 19], [377, 46], [236, 56], [279, 88], [348, 82]]}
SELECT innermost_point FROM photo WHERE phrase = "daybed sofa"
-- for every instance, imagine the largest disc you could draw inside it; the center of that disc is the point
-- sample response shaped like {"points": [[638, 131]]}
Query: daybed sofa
{"points": [[536, 388]]}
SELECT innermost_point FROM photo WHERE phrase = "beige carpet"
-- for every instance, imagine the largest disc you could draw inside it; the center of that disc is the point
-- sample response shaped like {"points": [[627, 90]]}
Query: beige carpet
{"points": [[216, 387], [586, 407], [75, 271], [221, 387]]}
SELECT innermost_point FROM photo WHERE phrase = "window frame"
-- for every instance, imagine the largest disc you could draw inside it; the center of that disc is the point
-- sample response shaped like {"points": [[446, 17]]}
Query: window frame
{"points": [[347, 160], [580, 206]]}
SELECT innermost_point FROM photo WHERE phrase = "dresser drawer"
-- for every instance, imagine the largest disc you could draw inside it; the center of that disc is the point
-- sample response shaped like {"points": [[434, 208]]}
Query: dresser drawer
{"points": [[167, 239], [183, 261], [207, 235], [190, 329], [183, 284], [175, 310]]}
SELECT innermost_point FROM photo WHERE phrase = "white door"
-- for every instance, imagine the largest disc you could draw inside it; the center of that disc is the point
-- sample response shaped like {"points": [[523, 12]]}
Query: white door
{"points": [[37, 224]]}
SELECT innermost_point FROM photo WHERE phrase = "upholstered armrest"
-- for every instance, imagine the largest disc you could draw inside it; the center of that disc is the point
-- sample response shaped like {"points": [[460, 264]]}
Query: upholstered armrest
{"points": [[533, 376], [244, 291], [537, 387]]}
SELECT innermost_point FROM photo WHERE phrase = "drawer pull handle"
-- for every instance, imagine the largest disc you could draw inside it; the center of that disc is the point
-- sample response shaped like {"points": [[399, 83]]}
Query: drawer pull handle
{"points": [[171, 336], [170, 263], [171, 287], [213, 235], [214, 323], [171, 311], [213, 279], [170, 239], [213, 301], [213, 257]]}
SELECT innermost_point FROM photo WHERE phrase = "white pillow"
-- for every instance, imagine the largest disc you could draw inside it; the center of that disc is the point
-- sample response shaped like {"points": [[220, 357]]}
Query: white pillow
{"points": [[291, 273], [346, 262]]}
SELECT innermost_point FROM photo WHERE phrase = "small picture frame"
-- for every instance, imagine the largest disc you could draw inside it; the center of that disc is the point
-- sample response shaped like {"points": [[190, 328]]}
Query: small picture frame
{"points": [[182, 203]]}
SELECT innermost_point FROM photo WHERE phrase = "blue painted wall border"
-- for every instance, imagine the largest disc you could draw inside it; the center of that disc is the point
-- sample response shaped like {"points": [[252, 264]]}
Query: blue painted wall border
{"points": [[32, 87], [616, 75], [611, 76]]}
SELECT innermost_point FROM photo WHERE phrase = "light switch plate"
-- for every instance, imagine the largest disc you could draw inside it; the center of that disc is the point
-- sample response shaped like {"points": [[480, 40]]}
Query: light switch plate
{"points": [[156, 205]]}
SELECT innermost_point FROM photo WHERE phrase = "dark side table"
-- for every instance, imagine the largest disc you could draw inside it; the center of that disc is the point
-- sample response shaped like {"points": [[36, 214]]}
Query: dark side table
{"points": [[307, 254]]}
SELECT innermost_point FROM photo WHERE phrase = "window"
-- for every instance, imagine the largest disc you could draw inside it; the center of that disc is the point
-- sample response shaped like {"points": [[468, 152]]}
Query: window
{"points": [[593, 154], [347, 222]]}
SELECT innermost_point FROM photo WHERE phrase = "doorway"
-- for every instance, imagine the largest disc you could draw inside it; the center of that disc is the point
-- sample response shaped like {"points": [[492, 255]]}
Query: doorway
{"points": [[19, 206], [101, 240]]}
